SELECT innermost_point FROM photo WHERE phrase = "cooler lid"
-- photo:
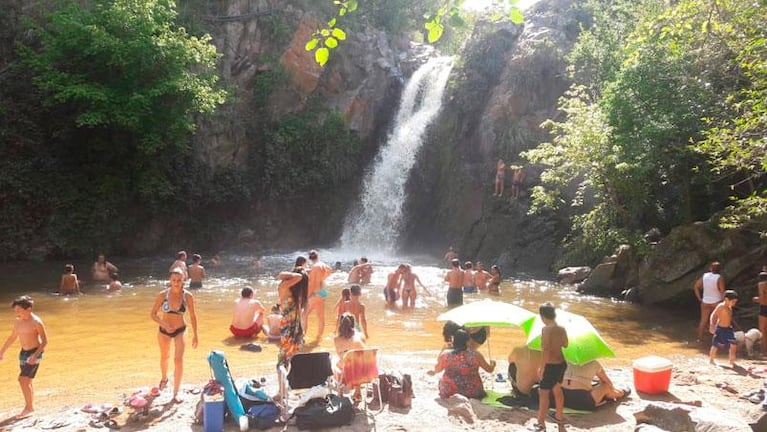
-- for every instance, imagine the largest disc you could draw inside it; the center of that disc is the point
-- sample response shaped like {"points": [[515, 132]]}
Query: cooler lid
{"points": [[652, 364]]}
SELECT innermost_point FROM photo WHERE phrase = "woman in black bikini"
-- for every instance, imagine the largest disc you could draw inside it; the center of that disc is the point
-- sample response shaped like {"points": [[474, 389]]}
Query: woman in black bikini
{"points": [[174, 302]]}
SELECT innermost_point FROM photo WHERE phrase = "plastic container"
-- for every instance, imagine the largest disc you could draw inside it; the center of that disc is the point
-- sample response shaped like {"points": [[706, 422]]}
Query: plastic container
{"points": [[652, 374], [213, 413]]}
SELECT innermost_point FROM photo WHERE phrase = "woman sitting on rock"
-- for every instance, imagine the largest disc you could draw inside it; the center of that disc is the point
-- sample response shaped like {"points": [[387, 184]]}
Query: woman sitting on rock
{"points": [[461, 369]]}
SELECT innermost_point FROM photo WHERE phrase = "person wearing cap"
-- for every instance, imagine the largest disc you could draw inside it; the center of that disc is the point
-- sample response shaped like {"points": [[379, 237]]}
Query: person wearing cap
{"points": [[721, 325], [318, 272], [174, 302], [709, 289], [761, 288]]}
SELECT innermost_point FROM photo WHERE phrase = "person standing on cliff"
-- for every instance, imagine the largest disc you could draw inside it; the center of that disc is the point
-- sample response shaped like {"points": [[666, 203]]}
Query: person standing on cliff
{"points": [[500, 176], [709, 289], [516, 181]]}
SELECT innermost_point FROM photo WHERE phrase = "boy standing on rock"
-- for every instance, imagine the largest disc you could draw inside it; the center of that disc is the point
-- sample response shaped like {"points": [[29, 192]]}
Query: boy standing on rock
{"points": [[30, 331], [553, 366]]}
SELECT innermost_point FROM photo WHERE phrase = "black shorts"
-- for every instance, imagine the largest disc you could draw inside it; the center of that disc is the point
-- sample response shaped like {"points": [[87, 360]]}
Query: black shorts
{"points": [[552, 375], [454, 296], [195, 284], [28, 370], [579, 399], [390, 295]]}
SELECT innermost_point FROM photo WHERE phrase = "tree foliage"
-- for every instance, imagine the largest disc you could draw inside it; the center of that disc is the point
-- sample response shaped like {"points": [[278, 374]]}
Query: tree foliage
{"points": [[633, 121]]}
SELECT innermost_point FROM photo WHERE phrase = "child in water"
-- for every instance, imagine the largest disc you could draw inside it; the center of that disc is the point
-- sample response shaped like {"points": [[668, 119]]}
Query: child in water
{"points": [[272, 326], [115, 285], [69, 283]]}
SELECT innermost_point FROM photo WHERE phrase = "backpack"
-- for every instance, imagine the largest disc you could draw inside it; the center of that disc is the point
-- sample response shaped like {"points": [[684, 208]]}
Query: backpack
{"points": [[263, 416], [330, 411]]}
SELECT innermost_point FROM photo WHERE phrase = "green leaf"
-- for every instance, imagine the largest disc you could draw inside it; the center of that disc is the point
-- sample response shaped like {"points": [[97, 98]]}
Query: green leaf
{"points": [[342, 12], [351, 5], [515, 15], [435, 33], [325, 32], [331, 42], [321, 56], [311, 44], [339, 34], [332, 23]]}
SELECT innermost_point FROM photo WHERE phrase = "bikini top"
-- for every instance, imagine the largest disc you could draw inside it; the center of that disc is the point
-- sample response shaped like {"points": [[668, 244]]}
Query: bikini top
{"points": [[166, 305]]}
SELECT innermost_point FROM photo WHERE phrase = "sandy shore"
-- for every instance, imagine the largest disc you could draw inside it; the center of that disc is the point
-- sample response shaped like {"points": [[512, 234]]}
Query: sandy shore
{"points": [[694, 381]]}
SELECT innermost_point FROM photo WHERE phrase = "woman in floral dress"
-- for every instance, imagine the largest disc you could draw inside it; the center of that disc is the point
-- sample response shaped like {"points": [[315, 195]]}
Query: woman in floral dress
{"points": [[461, 369]]}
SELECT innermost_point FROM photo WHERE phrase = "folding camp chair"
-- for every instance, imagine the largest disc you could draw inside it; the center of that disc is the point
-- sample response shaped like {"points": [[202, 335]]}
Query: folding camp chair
{"points": [[361, 367], [306, 370]]}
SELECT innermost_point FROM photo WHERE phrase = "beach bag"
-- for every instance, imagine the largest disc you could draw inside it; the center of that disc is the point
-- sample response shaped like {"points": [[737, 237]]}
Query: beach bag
{"points": [[263, 416], [386, 382], [330, 411], [401, 395]]}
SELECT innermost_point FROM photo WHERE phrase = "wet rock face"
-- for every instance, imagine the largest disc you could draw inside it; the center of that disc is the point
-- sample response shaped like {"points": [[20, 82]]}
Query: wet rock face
{"points": [[507, 84], [254, 37], [614, 275]]}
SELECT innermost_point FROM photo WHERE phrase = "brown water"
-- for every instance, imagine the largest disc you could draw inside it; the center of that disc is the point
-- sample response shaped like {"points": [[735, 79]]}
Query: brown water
{"points": [[103, 345]]}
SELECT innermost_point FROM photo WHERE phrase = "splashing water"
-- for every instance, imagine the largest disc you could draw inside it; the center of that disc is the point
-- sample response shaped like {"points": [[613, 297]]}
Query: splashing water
{"points": [[383, 190]]}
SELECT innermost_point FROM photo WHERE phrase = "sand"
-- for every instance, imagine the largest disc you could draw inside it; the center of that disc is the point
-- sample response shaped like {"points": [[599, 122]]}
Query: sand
{"points": [[694, 381]]}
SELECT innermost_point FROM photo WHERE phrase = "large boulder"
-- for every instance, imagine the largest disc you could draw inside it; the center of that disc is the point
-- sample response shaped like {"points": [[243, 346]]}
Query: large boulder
{"points": [[616, 274], [573, 275], [669, 272]]}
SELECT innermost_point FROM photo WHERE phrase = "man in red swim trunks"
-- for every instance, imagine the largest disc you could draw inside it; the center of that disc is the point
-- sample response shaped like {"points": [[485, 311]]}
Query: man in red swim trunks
{"points": [[248, 315]]}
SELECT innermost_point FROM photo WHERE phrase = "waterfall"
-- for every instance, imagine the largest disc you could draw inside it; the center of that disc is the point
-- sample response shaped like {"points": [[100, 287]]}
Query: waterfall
{"points": [[374, 224]]}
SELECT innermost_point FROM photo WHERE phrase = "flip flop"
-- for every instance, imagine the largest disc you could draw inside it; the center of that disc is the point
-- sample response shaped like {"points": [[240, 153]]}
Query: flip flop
{"points": [[90, 408], [553, 417], [251, 347]]}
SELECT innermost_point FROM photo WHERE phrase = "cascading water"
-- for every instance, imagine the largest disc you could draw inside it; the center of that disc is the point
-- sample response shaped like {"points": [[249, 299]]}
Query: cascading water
{"points": [[375, 223]]}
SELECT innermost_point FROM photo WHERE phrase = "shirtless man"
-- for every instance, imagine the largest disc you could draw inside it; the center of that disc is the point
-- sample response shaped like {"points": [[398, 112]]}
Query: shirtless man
{"points": [[761, 287], [482, 277], [30, 331], [450, 255], [516, 182], [721, 327], [553, 366], [180, 263], [408, 287], [355, 307], [469, 282], [523, 368], [318, 272], [366, 271], [393, 282], [196, 272], [454, 279], [709, 290], [247, 315], [69, 283]]}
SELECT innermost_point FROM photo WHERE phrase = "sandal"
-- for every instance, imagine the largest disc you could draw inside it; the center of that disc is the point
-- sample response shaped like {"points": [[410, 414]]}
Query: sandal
{"points": [[111, 424], [539, 427], [163, 384]]}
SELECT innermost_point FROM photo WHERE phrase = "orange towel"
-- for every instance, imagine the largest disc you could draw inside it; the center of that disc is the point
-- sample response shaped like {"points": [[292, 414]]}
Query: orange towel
{"points": [[360, 366]]}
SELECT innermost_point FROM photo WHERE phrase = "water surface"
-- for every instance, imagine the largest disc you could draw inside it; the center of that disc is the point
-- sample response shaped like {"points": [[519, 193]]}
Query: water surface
{"points": [[102, 345]]}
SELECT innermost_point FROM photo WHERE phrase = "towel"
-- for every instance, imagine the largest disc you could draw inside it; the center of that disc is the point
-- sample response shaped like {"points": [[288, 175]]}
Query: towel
{"points": [[491, 399]]}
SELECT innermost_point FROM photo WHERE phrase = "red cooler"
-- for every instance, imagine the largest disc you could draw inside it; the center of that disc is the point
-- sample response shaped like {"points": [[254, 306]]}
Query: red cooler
{"points": [[652, 374]]}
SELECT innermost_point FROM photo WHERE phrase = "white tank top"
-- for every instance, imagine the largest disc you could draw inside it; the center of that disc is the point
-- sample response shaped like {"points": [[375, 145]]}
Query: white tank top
{"points": [[711, 292]]}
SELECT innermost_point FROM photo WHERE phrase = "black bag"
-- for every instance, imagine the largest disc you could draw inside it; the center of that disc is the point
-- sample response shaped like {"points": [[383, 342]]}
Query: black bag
{"points": [[330, 411]]}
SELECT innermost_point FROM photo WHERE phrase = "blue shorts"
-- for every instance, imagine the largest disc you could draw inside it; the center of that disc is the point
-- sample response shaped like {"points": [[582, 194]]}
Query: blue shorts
{"points": [[723, 337], [470, 290]]}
